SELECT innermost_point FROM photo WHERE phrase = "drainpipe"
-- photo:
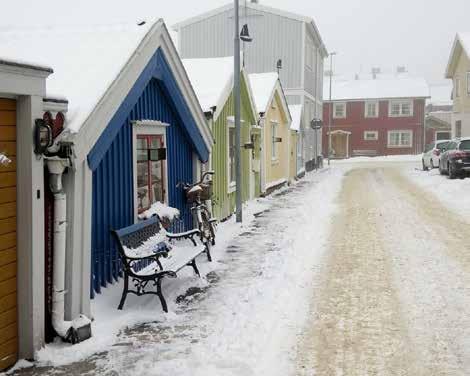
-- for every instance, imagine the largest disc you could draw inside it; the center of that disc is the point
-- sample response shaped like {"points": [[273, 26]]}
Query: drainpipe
{"points": [[78, 329]]}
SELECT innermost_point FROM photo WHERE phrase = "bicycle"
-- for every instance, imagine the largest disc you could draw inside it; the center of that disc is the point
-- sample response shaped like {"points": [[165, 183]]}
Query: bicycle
{"points": [[196, 194]]}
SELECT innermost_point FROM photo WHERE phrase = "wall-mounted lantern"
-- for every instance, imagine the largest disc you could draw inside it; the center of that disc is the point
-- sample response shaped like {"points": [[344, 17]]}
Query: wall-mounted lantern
{"points": [[156, 155], [42, 136], [249, 145], [277, 139], [245, 34]]}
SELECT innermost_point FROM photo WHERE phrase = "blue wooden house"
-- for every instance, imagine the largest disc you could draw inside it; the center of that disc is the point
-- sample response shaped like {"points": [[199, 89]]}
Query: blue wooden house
{"points": [[136, 129]]}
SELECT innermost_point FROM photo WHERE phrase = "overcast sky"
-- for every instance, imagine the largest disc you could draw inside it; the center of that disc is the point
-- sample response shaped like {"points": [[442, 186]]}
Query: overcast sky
{"points": [[365, 33]]}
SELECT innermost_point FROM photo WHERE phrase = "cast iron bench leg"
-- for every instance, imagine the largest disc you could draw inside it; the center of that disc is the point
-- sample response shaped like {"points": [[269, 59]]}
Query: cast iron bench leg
{"points": [[160, 295], [208, 251], [124, 291], [196, 270]]}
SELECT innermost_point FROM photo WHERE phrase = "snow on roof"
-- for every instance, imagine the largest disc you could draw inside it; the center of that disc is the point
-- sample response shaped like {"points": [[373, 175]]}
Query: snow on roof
{"points": [[209, 77], [262, 86], [387, 87], [464, 38], [296, 114], [85, 59], [441, 94]]}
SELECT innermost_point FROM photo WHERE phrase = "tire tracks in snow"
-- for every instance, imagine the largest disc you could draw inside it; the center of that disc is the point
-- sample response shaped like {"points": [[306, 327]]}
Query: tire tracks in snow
{"points": [[357, 327]]}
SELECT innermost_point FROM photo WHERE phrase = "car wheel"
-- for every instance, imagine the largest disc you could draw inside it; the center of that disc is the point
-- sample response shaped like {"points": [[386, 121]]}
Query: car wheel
{"points": [[451, 171], [441, 170], [424, 166]]}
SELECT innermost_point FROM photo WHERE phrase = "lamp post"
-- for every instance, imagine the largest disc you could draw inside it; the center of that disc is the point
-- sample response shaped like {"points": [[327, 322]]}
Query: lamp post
{"points": [[245, 37], [330, 108]]}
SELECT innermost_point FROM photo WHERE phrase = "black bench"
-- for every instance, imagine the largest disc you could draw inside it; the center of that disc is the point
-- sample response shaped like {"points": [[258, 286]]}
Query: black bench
{"points": [[146, 260]]}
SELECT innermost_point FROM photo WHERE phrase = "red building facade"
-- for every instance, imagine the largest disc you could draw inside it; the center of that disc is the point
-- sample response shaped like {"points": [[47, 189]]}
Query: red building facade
{"points": [[374, 127]]}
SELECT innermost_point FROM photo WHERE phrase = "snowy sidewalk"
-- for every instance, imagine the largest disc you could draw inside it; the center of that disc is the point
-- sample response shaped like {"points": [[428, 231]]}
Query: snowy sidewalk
{"points": [[243, 318]]}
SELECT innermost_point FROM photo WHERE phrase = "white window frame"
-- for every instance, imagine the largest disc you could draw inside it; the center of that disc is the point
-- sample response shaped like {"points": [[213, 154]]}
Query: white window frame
{"points": [[366, 109], [468, 84], [400, 103], [335, 104], [400, 146], [375, 133], [440, 132], [153, 128], [457, 86], [231, 185], [274, 149]]}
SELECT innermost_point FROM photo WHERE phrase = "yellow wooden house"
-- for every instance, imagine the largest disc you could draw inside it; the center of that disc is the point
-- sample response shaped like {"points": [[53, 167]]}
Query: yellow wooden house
{"points": [[274, 120]]}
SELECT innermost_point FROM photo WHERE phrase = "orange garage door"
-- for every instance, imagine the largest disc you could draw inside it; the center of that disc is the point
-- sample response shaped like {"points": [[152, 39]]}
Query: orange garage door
{"points": [[8, 316]]}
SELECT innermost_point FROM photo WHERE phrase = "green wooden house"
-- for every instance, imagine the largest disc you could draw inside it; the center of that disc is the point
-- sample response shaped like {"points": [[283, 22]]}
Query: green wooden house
{"points": [[212, 80]]}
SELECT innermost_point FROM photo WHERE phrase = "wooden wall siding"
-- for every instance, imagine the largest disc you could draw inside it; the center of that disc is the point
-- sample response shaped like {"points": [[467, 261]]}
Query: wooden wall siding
{"points": [[8, 299], [274, 37], [276, 169], [224, 201], [113, 192]]}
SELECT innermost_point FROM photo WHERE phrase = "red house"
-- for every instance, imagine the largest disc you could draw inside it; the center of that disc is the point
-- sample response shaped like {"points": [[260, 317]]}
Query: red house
{"points": [[370, 117]]}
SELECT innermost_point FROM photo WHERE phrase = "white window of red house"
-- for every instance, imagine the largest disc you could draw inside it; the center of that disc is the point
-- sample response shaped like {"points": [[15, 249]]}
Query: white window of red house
{"points": [[150, 179], [372, 109], [339, 110], [371, 135], [401, 108], [400, 139]]}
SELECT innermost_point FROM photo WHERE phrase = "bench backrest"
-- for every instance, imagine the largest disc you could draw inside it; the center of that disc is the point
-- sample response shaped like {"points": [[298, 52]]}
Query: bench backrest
{"points": [[134, 236]]}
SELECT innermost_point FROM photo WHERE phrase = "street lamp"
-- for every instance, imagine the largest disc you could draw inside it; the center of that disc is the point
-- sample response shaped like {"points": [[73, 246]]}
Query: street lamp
{"points": [[245, 36], [330, 108]]}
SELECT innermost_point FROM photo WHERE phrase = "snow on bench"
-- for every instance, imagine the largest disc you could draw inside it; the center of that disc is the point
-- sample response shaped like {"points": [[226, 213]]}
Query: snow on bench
{"points": [[148, 254]]}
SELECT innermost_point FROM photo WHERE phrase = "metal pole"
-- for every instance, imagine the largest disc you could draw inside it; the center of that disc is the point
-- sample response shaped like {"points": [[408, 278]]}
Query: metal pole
{"points": [[330, 108], [236, 95]]}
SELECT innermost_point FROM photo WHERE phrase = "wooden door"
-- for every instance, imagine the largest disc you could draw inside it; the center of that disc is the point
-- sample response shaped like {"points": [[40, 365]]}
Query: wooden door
{"points": [[339, 144], [8, 296]]}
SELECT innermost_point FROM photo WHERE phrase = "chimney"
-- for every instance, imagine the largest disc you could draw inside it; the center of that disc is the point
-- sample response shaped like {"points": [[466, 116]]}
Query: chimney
{"points": [[255, 1], [401, 69], [375, 72]]}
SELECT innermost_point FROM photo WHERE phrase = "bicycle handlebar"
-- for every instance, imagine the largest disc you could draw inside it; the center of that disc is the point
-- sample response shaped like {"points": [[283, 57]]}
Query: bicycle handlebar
{"points": [[203, 177]]}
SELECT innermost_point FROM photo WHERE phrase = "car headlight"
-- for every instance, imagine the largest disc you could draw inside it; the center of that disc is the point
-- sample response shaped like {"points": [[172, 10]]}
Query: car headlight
{"points": [[459, 161]]}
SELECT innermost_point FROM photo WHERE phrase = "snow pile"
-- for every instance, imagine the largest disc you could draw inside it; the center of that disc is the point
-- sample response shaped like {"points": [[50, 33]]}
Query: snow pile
{"points": [[380, 88], [262, 87], [4, 160], [162, 210], [451, 193], [78, 75], [210, 78], [296, 114], [385, 158]]}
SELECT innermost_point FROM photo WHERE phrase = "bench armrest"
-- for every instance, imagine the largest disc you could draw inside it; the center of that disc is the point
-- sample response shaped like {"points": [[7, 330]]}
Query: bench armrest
{"points": [[184, 235], [153, 256]]}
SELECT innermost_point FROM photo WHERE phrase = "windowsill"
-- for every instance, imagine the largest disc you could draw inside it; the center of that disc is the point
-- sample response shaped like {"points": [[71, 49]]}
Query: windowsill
{"points": [[274, 161], [399, 146], [371, 117], [232, 187], [339, 117], [399, 116]]}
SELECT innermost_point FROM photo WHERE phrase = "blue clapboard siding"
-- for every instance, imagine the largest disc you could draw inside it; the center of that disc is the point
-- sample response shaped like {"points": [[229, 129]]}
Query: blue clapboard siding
{"points": [[113, 196]]}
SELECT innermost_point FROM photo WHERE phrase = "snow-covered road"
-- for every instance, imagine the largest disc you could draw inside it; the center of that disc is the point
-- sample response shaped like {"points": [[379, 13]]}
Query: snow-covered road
{"points": [[355, 271], [393, 295]]}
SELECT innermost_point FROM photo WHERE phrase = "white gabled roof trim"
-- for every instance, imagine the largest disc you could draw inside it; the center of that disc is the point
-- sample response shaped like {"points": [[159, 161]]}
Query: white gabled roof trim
{"points": [[103, 112], [461, 44]]}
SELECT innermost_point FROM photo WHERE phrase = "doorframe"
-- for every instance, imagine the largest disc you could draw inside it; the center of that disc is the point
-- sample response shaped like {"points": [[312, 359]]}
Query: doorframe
{"points": [[342, 132]]}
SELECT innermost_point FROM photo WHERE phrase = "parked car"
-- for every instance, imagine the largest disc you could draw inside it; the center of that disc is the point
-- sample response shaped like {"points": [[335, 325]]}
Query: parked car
{"points": [[455, 161], [432, 154]]}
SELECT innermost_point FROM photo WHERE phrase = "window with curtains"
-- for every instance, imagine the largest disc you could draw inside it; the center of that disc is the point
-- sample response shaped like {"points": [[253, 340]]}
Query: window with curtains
{"points": [[150, 171], [231, 154], [274, 140]]}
